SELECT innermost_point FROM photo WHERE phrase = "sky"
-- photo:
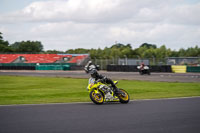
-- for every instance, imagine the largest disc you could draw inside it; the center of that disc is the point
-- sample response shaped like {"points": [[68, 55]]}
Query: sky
{"points": [[70, 24]]}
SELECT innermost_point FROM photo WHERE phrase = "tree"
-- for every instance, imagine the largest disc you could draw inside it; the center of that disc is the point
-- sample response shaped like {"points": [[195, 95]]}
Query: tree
{"points": [[118, 45], [182, 52], [106, 53], [121, 46], [1, 38], [4, 45], [148, 45], [93, 53], [53, 52], [27, 46], [192, 52], [149, 53], [140, 51]]}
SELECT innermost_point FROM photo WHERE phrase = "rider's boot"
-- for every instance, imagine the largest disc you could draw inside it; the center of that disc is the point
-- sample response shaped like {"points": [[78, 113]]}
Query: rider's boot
{"points": [[116, 90]]}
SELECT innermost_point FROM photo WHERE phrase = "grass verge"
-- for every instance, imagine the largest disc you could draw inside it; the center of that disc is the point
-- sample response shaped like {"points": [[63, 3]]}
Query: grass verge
{"points": [[36, 90]]}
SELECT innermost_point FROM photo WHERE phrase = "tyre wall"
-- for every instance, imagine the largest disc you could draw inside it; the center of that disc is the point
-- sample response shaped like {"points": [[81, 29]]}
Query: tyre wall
{"points": [[133, 68]]}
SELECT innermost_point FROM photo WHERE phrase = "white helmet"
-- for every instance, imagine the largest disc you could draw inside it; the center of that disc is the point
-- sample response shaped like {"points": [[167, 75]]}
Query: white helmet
{"points": [[89, 67]]}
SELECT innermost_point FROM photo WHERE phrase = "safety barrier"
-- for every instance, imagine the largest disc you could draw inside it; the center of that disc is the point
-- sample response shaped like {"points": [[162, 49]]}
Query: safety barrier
{"points": [[117, 68], [179, 68], [133, 68], [35, 66], [75, 67], [122, 68], [161, 68], [17, 67], [57, 64], [52, 67], [17, 64], [193, 68]]}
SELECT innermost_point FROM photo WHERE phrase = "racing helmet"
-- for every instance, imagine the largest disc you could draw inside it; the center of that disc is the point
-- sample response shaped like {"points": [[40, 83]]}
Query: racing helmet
{"points": [[89, 67]]}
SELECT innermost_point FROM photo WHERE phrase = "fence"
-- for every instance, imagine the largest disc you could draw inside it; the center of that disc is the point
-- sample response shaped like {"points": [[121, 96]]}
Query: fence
{"points": [[130, 65], [183, 60], [149, 61], [103, 63], [114, 64]]}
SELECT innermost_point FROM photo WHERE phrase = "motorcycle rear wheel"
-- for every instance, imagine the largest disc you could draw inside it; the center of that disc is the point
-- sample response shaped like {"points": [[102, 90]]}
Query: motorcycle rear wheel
{"points": [[97, 98], [123, 98]]}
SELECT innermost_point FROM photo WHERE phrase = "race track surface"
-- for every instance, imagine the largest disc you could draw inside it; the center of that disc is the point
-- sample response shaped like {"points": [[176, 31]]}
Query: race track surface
{"points": [[164, 77], [144, 116]]}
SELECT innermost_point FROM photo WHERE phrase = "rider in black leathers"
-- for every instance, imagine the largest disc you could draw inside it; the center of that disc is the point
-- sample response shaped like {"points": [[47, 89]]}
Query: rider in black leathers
{"points": [[92, 70]]}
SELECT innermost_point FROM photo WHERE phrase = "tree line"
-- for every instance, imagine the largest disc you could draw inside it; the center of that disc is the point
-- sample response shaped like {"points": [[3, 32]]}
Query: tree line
{"points": [[118, 50], [20, 47]]}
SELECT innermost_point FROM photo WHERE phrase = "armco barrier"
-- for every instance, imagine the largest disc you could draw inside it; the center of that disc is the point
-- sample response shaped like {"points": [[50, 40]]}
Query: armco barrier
{"points": [[193, 68]]}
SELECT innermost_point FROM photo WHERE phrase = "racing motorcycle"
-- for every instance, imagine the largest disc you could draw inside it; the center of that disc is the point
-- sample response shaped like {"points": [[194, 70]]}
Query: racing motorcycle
{"points": [[143, 71], [101, 92]]}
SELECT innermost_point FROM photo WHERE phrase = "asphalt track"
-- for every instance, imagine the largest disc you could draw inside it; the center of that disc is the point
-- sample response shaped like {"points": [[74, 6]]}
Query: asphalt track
{"points": [[144, 116], [163, 77]]}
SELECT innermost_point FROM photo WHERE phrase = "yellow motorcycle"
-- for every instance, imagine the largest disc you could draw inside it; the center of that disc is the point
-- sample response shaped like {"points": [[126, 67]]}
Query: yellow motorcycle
{"points": [[100, 93]]}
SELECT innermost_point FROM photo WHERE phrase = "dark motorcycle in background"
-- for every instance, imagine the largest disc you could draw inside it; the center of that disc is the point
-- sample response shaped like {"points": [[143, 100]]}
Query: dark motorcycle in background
{"points": [[144, 70]]}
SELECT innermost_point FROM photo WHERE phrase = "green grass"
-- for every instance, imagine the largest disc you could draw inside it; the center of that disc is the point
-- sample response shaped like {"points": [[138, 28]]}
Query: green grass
{"points": [[36, 90]]}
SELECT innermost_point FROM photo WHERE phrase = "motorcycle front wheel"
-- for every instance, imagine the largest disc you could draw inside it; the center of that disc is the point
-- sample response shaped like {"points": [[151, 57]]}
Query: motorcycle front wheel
{"points": [[123, 96], [97, 98]]}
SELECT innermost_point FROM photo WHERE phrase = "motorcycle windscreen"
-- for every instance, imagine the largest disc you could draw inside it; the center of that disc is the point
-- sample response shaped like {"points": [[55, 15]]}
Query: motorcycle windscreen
{"points": [[91, 80]]}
